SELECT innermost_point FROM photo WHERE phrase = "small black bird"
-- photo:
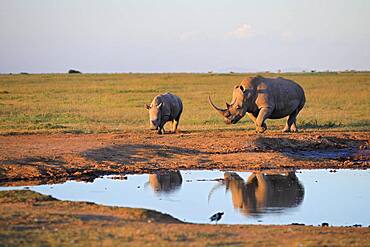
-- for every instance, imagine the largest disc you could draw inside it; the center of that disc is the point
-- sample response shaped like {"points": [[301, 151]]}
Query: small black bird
{"points": [[216, 217]]}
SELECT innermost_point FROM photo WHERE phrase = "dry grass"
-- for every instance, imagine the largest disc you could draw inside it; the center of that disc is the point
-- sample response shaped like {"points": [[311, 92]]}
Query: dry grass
{"points": [[114, 102]]}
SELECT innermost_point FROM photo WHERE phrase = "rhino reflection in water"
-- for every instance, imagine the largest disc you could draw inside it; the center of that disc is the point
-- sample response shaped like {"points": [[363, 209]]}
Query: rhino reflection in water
{"points": [[261, 191], [165, 182]]}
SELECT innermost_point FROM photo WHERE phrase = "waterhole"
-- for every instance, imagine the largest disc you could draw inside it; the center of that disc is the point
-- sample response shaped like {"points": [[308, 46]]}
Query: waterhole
{"points": [[311, 197]]}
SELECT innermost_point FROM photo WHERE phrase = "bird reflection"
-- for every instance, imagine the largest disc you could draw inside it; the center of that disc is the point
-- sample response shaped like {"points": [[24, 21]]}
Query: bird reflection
{"points": [[165, 181], [263, 191]]}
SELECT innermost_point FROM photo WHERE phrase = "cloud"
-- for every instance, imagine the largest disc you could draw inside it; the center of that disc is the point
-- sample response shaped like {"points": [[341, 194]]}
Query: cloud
{"points": [[243, 31], [192, 35]]}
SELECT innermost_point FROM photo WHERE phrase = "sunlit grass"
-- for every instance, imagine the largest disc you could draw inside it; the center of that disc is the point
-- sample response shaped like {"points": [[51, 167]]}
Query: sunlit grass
{"points": [[114, 102]]}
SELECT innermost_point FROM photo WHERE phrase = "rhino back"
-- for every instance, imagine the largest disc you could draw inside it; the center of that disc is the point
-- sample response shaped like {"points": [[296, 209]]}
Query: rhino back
{"points": [[172, 105], [283, 95]]}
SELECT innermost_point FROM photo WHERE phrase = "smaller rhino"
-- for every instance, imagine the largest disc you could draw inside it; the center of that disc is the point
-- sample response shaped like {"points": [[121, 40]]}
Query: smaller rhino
{"points": [[165, 107]]}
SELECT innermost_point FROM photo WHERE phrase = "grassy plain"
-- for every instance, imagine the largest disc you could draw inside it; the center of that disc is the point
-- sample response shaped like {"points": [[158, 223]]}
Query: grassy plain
{"points": [[96, 103]]}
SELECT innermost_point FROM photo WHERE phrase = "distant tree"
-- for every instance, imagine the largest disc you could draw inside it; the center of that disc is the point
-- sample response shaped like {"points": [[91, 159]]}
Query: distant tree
{"points": [[73, 71]]}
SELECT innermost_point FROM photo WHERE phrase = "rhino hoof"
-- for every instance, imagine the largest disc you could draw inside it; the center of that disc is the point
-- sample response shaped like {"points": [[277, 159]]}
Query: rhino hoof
{"points": [[286, 130], [261, 129]]}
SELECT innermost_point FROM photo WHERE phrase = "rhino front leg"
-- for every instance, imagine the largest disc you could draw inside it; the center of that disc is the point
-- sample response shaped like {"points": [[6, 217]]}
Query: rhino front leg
{"points": [[264, 113], [254, 119], [161, 125], [160, 130]]}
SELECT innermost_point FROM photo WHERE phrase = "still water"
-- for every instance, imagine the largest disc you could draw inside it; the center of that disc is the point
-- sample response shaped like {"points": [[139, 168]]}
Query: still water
{"points": [[310, 197]]}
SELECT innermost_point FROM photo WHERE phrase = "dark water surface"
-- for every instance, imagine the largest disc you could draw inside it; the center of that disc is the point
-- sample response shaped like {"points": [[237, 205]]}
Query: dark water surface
{"points": [[311, 197]]}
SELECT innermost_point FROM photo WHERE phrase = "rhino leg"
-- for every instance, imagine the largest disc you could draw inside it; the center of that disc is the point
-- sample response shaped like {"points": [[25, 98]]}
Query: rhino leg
{"points": [[161, 128], [165, 119], [290, 125], [253, 118], [264, 113], [287, 126], [175, 123], [294, 128]]}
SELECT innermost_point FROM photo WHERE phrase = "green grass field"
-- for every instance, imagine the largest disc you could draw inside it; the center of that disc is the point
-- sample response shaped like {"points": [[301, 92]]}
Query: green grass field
{"points": [[90, 103]]}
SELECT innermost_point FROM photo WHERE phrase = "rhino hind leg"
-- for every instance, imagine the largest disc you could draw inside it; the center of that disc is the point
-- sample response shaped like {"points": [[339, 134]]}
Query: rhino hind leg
{"points": [[294, 128], [291, 125], [175, 123], [287, 127]]}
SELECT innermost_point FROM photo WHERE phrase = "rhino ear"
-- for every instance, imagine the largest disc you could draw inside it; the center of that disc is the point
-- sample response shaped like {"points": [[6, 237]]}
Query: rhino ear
{"points": [[248, 93], [147, 106]]}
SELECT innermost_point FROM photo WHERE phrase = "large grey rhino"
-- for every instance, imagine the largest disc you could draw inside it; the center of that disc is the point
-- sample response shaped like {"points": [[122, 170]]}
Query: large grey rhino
{"points": [[165, 107], [262, 192], [261, 98]]}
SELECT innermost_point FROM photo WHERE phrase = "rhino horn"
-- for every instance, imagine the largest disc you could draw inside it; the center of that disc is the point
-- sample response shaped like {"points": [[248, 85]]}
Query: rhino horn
{"points": [[219, 110], [213, 190]]}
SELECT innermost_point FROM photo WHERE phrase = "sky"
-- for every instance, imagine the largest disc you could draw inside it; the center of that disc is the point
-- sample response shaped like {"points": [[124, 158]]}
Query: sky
{"points": [[95, 36]]}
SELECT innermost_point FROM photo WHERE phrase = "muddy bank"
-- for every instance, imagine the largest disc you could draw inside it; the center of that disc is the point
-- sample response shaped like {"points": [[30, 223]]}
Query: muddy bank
{"points": [[28, 218], [35, 159]]}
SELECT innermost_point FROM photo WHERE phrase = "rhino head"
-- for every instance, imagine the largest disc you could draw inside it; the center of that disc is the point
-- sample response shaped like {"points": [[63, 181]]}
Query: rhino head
{"points": [[238, 106], [154, 115]]}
